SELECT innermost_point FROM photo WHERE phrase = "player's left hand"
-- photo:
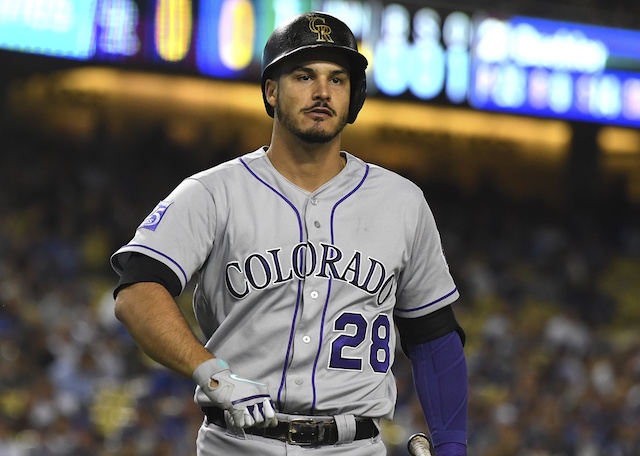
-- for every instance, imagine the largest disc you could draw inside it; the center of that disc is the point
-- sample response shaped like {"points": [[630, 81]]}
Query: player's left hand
{"points": [[248, 402]]}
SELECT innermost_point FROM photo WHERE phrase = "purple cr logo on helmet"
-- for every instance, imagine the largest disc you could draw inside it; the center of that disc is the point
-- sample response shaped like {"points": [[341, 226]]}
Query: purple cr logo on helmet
{"points": [[317, 30]]}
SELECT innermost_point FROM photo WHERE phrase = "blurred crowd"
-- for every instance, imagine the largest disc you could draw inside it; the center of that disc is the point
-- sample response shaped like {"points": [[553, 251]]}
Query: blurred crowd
{"points": [[549, 304]]}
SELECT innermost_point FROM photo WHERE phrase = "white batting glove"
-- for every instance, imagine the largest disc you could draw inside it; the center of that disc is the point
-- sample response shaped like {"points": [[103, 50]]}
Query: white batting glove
{"points": [[248, 402]]}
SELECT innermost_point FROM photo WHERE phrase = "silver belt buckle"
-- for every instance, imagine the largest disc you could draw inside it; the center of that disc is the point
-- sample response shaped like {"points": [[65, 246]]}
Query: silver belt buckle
{"points": [[302, 431]]}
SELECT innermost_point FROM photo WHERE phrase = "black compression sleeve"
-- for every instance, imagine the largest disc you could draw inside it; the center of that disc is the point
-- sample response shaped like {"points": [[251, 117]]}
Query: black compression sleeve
{"points": [[141, 268], [429, 327]]}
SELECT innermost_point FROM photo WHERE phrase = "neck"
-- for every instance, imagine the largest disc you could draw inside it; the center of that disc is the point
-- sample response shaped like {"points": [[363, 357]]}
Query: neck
{"points": [[309, 166]]}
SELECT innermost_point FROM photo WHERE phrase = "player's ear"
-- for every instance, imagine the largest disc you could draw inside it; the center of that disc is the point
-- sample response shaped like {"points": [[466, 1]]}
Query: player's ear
{"points": [[270, 91]]}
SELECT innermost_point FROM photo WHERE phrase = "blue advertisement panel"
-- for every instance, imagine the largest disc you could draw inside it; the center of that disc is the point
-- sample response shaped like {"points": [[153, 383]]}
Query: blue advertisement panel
{"points": [[64, 28], [556, 69]]}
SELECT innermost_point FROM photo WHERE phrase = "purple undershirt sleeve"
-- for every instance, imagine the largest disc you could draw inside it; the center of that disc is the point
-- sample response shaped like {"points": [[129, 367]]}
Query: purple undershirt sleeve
{"points": [[440, 379]]}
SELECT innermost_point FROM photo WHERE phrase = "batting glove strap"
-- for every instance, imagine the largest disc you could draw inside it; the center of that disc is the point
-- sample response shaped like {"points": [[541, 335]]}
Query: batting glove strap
{"points": [[248, 402]]}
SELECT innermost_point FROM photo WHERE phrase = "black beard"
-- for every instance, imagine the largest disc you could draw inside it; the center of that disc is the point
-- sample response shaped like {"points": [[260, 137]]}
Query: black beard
{"points": [[311, 135]]}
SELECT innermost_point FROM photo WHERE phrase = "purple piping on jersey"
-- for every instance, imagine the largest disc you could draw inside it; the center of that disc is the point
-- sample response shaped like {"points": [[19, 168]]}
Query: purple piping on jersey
{"points": [[295, 312], [432, 302], [326, 303], [163, 255]]}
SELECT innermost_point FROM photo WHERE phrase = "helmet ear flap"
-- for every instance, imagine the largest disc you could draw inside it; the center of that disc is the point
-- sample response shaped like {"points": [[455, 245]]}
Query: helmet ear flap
{"points": [[358, 95], [267, 105]]}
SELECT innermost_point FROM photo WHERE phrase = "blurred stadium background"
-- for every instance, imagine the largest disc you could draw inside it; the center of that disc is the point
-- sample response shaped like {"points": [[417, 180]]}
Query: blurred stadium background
{"points": [[520, 120]]}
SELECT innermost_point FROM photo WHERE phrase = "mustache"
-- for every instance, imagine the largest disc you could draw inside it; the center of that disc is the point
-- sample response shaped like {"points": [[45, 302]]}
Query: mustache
{"points": [[320, 104]]}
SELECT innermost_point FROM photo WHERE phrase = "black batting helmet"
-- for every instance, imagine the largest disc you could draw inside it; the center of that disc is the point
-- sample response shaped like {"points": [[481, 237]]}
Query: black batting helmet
{"points": [[317, 30]]}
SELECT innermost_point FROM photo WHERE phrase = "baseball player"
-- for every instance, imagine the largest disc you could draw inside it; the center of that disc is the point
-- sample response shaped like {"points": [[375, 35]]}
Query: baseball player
{"points": [[306, 259]]}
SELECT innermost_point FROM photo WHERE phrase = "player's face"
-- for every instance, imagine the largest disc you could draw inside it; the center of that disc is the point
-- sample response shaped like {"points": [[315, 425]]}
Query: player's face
{"points": [[312, 100]]}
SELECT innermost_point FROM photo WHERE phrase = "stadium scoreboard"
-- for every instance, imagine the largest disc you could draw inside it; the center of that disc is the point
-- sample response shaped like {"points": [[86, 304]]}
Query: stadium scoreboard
{"points": [[485, 60]]}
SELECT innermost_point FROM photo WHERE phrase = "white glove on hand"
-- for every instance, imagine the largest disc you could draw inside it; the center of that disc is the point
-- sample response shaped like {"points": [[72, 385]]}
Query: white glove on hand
{"points": [[248, 402]]}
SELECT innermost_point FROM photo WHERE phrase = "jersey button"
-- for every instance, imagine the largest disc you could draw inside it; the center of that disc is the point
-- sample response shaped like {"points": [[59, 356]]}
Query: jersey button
{"points": [[298, 381], [306, 339], [314, 294], [314, 201], [316, 224]]}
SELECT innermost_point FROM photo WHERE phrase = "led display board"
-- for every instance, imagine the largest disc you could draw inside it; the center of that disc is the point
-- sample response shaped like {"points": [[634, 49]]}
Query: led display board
{"points": [[556, 69], [62, 28], [471, 58]]}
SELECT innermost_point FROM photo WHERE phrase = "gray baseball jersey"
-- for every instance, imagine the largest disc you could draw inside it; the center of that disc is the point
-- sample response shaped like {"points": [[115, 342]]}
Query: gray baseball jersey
{"points": [[299, 290]]}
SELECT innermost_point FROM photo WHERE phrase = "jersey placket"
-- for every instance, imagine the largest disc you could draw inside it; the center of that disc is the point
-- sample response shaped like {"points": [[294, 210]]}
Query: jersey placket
{"points": [[301, 387]]}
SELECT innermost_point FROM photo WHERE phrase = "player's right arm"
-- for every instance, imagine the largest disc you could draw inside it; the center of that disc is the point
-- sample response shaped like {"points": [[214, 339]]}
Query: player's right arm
{"points": [[168, 247], [155, 323], [155, 266]]}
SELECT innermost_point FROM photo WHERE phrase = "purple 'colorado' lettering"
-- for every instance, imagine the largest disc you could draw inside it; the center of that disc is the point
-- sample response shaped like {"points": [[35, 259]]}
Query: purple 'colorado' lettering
{"points": [[276, 262], [235, 293], [257, 271], [250, 270], [329, 259]]}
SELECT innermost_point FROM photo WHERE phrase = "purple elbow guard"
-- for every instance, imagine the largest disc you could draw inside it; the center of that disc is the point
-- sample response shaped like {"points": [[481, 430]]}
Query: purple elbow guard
{"points": [[440, 379]]}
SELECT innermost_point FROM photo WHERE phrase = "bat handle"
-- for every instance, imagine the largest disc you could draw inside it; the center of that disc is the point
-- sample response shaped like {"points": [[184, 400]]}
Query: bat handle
{"points": [[419, 445]]}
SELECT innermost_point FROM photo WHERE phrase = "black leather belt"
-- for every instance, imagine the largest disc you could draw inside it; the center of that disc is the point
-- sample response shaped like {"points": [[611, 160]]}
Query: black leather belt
{"points": [[303, 431]]}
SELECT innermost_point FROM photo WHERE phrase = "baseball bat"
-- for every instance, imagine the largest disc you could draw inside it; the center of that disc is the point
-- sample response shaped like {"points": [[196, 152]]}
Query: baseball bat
{"points": [[419, 445]]}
